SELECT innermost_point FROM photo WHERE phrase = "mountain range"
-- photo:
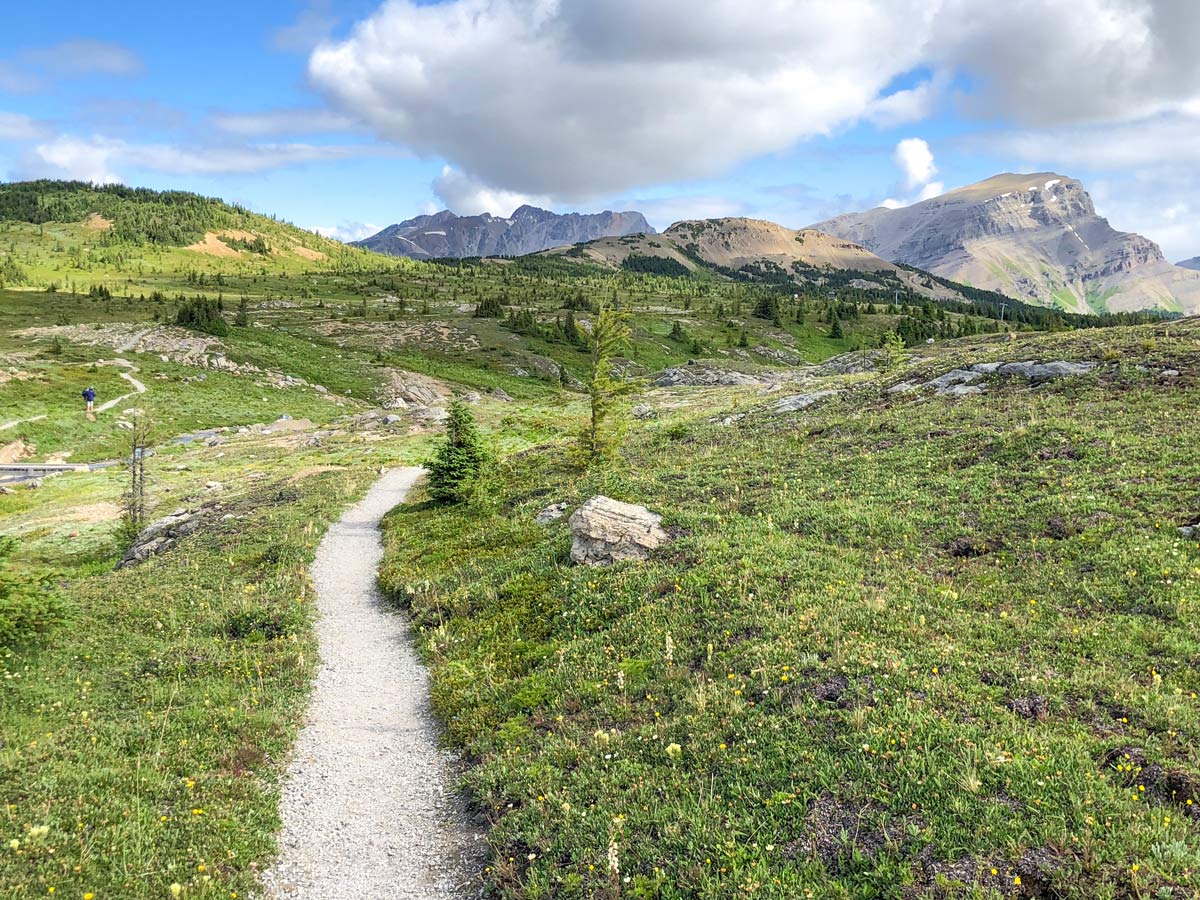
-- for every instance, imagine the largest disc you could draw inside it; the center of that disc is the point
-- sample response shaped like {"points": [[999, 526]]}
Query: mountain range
{"points": [[1033, 237], [1193, 263], [527, 230], [757, 250]]}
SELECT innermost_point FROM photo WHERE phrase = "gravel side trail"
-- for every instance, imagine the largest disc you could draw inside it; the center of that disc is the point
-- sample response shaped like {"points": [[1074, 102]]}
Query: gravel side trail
{"points": [[369, 808]]}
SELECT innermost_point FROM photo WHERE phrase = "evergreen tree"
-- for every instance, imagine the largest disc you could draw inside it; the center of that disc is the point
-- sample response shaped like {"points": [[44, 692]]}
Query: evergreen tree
{"points": [[601, 436], [836, 333], [489, 308], [459, 458]]}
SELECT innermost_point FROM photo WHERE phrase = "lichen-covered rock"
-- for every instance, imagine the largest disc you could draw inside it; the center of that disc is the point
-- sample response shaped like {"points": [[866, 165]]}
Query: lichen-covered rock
{"points": [[160, 535], [607, 531], [643, 411], [700, 375], [552, 513], [797, 402]]}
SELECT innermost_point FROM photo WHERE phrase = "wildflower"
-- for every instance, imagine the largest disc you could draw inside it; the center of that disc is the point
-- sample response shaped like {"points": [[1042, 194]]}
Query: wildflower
{"points": [[670, 649], [14, 844], [176, 889], [674, 751]]}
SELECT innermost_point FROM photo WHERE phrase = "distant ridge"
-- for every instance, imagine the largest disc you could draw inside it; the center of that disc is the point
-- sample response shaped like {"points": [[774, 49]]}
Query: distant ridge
{"points": [[527, 230], [1193, 263]]}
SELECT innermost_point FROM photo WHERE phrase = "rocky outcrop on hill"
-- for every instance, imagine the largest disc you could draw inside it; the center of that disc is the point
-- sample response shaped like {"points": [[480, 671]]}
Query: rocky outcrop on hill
{"points": [[527, 230], [700, 375], [1033, 237], [606, 531], [962, 382], [160, 535]]}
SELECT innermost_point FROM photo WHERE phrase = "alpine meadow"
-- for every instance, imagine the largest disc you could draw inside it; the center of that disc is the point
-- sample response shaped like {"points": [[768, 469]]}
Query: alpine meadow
{"points": [[670, 549]]}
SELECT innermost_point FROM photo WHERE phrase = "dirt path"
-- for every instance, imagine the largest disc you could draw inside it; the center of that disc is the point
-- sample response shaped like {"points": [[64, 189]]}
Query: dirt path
{"points": [[369, 808], [138, 387], [16, 422]]}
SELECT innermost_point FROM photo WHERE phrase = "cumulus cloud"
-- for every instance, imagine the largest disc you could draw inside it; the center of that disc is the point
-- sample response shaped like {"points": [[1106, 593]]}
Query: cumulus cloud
{"points": [[575, 99], [915, 160], [348, 231], [312, 26], [1042, 62], [98, 158], [38, 69], [468, 197]]}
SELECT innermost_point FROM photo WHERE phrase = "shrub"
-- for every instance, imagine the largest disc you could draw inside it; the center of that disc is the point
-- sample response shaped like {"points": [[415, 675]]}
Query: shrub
{"points": [[459, 459], [30, 604]]}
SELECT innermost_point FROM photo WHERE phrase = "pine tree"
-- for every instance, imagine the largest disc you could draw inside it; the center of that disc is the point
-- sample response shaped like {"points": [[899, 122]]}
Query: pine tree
{"points": [[836, 333], [242, 319], [459, 459], [600, 437], [489, 308]]}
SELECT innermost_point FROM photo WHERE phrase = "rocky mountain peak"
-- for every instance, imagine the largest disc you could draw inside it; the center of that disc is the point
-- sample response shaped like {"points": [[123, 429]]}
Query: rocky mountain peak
{"points": [[528, 230], [1036, 237]]}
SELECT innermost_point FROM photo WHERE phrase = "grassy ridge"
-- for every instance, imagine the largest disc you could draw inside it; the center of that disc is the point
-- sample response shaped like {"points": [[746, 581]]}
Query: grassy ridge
{"points": [[896, 646]]}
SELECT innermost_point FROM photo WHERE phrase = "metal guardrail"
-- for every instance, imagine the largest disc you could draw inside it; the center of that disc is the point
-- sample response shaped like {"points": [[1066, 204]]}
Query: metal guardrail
{"points": [[18, 472]]}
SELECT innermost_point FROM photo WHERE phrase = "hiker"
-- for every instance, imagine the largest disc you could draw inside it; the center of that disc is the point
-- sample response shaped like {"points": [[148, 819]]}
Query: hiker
{"points": [[89, 394]]}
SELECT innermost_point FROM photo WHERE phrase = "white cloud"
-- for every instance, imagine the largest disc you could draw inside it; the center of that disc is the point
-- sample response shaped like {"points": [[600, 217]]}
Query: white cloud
{"points": [[281, 121], [348, 231], [575, 99], [98, 158], [312, 26], [1165, 138], [17, 127], [933, 189], [464, 195], [915, 161], [38, 69]]}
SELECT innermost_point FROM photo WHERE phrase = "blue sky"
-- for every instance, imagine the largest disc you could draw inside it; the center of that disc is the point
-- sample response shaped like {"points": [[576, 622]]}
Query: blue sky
{"points": [[355, 114]]}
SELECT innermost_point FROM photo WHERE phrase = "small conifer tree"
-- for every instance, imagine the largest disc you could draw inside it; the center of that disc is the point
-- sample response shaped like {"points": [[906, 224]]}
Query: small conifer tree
{"points": [[459, 459], [601, 435]]}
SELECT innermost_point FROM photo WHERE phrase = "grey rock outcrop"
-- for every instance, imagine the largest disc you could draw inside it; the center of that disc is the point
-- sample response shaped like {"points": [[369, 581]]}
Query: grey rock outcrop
{"points": [[160, 535], [797, 402], [606, 531], [552, 513], [703, 376], [963, 382]]}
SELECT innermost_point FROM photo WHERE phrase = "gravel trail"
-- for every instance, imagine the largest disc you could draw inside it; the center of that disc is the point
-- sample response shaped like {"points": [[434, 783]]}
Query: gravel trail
{"points": [[369, 807]]}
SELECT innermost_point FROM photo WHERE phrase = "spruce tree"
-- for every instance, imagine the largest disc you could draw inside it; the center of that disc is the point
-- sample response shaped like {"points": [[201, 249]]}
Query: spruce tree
{"points": [[836, 333], [459, 458]]}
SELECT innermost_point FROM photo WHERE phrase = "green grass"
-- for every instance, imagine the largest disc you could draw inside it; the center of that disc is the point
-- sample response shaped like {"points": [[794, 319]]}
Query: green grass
{"points": [[147, 735], [859, 601]]}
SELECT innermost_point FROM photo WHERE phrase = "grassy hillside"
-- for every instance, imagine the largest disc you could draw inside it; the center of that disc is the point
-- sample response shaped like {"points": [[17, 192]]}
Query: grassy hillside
{"points": [[863, 600], [899, 647]]}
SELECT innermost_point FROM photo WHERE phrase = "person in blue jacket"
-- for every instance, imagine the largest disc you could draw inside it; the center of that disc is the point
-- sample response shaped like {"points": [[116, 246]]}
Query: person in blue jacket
{"points": [[89, 394]]}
